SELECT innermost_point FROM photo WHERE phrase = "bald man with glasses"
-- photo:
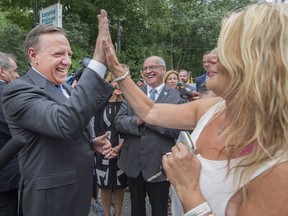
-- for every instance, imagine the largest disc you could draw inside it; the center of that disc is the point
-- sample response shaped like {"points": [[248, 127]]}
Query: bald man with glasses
{"points": [[144, 144]]}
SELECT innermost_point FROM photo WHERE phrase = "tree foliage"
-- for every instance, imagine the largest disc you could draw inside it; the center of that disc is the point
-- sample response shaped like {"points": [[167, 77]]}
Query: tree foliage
{"points": [[11, 41], [178, 30]]}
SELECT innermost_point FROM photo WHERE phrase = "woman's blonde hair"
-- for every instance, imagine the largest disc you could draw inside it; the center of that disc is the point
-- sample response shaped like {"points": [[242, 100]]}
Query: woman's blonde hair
{"points": [[253, 47], [166, 75]]}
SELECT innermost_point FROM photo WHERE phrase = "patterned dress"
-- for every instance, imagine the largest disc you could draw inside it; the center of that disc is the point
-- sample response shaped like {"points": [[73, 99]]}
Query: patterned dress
{"points": [[108, 175]]}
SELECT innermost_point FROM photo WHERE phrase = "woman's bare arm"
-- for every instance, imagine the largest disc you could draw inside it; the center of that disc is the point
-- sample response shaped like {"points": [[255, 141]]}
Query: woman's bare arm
{"points": [[165, 115]]}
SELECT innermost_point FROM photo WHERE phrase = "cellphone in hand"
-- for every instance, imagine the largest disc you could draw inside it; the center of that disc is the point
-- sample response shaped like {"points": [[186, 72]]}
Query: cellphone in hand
{"points": [[185, 138]]}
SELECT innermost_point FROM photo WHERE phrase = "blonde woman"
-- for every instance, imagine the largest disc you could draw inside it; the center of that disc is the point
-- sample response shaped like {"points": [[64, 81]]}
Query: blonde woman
{"points": [[240, 166], [171, 78]]}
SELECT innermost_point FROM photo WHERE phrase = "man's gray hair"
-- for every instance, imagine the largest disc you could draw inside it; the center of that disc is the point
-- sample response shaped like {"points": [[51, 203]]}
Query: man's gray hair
{"points": [[161, 60], [33, 38], [5, 61]]}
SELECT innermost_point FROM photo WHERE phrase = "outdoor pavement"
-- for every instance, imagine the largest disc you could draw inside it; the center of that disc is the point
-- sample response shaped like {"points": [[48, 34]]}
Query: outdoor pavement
{"points": [[126, 209]]}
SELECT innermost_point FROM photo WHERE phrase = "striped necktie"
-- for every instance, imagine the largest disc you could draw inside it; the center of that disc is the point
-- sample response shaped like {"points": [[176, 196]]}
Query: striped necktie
{"points": [[153, 92]]}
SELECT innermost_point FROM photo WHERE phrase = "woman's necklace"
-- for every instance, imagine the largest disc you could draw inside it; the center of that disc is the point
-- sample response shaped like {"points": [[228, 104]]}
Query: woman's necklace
{"points": [[220, 131], [222, 128]]}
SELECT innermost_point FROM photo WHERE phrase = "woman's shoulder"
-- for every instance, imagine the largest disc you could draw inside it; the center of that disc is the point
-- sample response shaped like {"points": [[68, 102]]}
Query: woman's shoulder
{"points": [[203, 105]]}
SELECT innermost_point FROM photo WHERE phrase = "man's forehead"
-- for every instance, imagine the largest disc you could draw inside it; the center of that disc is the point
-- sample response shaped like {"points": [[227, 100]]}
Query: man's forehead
{"points": [[151, 61], [183, 72], [212, 56]]}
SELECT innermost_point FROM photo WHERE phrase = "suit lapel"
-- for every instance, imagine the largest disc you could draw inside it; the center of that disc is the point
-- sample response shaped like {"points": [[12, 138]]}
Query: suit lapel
{"points": [[48, 87], [68, 88], [144, 89], [165, 92]]}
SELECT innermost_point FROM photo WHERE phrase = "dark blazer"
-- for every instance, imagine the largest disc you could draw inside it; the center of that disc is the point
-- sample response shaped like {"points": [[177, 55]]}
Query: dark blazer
{"points": [[9, 174], [145, 145], [199, 80], [56, 163]]}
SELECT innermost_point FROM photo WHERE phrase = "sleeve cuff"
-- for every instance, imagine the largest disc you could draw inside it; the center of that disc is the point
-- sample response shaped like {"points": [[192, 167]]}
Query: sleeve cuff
{"points": [[97, 67]]}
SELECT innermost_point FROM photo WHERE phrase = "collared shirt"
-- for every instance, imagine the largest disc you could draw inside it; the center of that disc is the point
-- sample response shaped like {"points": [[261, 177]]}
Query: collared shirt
{"points": [[158, 88]]}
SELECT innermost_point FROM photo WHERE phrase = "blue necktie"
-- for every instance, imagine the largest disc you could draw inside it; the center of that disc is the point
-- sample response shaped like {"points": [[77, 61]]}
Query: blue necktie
{"points": [[153, 92], [59, 88]]}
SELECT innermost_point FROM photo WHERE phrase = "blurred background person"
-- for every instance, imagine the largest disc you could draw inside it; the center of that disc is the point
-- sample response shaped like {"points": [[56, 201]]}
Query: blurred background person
{"points": [[211, 67], [9, 174], [140, 82], [171, 78], [184, 76], [110, 179], [202, 78], [76, 75]]}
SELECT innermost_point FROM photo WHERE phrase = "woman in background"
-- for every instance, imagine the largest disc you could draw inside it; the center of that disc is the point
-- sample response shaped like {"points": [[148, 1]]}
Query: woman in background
{"points": [[110, 179], [171, 78]]}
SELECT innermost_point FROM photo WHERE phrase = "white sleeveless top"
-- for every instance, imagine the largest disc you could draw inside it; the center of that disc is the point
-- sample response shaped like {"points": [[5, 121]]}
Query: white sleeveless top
{"points": [[216, 187]]}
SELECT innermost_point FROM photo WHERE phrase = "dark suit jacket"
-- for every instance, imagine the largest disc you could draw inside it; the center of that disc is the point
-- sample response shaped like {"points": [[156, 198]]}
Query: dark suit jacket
{"points": [[199, 80], [145, 145], [9, 174], [56, 163]]}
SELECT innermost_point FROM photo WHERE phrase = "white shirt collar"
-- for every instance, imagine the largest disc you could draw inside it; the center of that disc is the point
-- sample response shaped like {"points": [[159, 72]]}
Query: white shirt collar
{"points": [[158, 88]]}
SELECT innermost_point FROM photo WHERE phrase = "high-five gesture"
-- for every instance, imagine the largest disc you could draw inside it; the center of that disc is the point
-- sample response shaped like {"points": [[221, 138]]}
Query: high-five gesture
{"points": [[103, 33], [105, 38]]}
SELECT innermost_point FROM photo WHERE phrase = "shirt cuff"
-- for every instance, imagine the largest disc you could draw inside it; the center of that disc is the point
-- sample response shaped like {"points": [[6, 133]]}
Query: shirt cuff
{"points": [[97, 67]]}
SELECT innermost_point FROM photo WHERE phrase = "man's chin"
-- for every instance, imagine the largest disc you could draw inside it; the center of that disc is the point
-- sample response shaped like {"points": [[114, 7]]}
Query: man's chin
{"points": [[61, 80]]}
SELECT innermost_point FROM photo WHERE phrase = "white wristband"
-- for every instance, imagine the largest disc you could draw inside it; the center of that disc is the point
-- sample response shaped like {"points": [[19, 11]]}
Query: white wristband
{"points": [[200, 210], [122, 77]]}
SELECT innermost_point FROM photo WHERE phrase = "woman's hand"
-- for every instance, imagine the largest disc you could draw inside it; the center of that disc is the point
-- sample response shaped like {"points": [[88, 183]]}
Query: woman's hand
{"points": [[183, 171], [111, 57]]}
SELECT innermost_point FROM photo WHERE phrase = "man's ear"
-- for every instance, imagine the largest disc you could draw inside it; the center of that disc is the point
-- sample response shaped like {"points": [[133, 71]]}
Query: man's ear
{"points": [[32, 55], [2, 73], [164, 69]]}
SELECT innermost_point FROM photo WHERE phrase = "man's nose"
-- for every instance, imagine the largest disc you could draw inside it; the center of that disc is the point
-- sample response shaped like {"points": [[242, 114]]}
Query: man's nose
{"points": [[66, 60]]}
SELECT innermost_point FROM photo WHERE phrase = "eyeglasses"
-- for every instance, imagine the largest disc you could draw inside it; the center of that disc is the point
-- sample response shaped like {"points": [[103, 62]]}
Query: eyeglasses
{"points": [[152, 67]]}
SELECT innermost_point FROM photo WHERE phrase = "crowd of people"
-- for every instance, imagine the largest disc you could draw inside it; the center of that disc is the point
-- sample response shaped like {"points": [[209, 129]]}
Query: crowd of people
{"points": [[108, 133]]}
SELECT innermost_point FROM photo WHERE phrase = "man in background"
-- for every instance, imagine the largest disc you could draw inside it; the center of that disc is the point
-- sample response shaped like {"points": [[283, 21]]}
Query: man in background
{"points": [[184, 77], [9, 174], [144, 144], [202, 78]]}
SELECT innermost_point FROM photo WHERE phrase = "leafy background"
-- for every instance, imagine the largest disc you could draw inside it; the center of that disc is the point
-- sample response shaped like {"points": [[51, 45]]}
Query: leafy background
{"points": [[178, 30]]}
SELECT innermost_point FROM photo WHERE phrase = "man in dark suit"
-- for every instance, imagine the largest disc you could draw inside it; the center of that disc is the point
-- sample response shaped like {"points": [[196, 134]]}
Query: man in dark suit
{"points": [[202, 78], [144, 144], [9, 174], [56, 163]]}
